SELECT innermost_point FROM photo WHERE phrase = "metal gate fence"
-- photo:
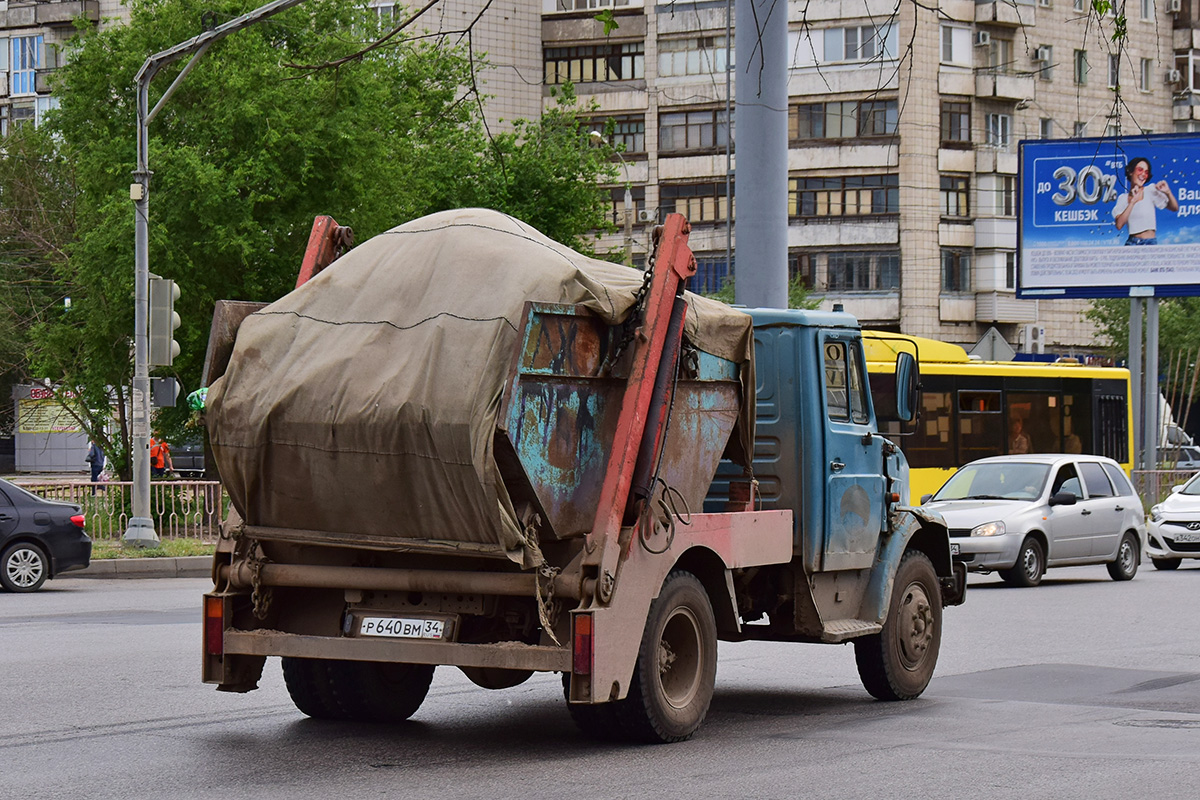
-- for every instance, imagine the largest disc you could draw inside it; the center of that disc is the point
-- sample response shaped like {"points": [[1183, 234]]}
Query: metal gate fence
{"points": [[180, 509]]}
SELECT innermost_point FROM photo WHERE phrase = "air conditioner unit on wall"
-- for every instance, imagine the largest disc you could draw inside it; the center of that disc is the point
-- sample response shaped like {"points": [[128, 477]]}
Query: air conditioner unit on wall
{"points": [[647, 215], [982, 38], [1041, 54], [1174, 76], [1175, 6]]}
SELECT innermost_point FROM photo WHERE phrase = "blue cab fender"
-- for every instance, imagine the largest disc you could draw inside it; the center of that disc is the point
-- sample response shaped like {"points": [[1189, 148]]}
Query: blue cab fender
{"points": [[917, 529]]}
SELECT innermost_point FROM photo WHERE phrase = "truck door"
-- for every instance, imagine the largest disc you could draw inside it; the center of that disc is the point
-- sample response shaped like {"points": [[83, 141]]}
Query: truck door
{"points": [[853, 458]]}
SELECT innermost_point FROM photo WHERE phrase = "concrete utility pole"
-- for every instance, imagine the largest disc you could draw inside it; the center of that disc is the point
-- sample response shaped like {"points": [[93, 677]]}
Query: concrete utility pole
{"points": [[762, 147], [141, 527]]}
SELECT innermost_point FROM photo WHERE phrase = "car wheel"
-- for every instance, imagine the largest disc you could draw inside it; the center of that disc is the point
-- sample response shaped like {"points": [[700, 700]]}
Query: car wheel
{"points": [[897, 663], [1129, 555], [1166, 563], [24, 568], [676, 668], [1030, 566]]}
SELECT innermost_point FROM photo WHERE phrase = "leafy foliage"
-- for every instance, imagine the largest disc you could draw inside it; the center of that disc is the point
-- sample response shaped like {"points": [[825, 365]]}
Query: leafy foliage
{"points": [[245, 154], [798, 294]]}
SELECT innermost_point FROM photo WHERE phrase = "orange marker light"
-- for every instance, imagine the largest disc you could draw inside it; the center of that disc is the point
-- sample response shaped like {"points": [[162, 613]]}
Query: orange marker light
{"points": [[214, 626], [582, 661]]}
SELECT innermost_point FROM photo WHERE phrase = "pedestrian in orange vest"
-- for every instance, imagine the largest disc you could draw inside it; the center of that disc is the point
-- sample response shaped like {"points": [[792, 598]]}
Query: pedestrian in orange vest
{"points": [[160, 456]]}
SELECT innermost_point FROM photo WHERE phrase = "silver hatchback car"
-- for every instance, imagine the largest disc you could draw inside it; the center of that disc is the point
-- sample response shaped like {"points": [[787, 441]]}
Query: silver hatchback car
{"points": [[1019, 514]]}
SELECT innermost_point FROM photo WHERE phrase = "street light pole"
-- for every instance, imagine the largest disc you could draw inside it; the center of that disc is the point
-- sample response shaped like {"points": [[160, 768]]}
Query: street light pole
{"points": [[141, 527], [598, 138]]}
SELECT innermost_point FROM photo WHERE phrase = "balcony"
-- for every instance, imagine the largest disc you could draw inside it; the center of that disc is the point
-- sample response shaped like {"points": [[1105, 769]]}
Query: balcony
{"points": [[1004, 12], [1003, 86], [65, 12], [41, 82]]}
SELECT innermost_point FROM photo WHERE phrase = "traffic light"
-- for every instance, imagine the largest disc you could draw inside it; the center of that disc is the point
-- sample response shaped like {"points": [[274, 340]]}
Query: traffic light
{"points": [[163, 321], [163, 392]]}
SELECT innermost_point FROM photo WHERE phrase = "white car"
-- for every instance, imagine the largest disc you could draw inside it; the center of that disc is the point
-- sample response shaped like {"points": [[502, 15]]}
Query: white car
{"points": [[1018, 515], [1175, 527]]}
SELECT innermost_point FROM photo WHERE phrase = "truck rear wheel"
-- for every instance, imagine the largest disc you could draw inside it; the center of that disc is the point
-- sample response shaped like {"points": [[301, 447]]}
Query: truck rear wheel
{"points": [[598, 721], [676, 668], [897, 663], [364, 691]]}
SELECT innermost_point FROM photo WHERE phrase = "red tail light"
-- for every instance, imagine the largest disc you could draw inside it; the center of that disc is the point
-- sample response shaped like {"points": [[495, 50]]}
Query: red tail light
{"points": [[77, 520], [214, 626], [582, 662]]}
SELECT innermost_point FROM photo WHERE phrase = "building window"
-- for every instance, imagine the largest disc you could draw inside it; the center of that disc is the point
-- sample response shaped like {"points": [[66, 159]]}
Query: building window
{"points": [[862, 271], [1114, 70], [860, 43], [594, 63], [692, 130], [802, 267], [704, 55], [626, 133], [1080, 130], [843, 119], [1081, 67], [1007, 205], [713, 271], [1010, 270], [956, 190], [1000, 55], [956, 121], [1046, 128], [999, 130], [1147, 9], [956, 270], [956, 45], [27, 54], [855, 196], [588, 5], [1146, 75], [1044, 58], [386, 12], [617, 196], [1078, 5], [699, 202]]}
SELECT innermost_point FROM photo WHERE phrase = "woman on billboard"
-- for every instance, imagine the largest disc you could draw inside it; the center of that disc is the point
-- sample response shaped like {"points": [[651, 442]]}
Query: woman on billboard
{"points": [[1136, 208]]}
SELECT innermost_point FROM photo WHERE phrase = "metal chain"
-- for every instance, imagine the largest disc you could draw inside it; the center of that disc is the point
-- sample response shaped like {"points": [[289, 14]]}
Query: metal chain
{"points": [[548, 607], [634, 320], [260, 596]]}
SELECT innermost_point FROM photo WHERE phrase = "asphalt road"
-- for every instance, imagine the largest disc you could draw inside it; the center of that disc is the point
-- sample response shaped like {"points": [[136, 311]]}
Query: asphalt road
{"points": [[1081, 688]]}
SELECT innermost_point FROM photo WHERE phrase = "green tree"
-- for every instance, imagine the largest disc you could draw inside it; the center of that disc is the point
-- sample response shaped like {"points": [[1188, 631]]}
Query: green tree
{"points": [[246, 152], [798, 294]]}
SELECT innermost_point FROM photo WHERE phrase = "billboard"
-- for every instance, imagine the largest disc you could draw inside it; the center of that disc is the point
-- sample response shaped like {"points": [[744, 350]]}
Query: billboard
{"points": [[1109, 217]]}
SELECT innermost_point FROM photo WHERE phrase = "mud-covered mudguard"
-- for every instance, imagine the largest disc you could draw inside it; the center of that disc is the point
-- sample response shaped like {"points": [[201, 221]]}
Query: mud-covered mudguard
{"points": [[918, 529]]}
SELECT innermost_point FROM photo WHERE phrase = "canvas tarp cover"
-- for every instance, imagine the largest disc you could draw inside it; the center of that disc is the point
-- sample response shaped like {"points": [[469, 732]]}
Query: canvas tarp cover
{"points": [[365, 402]]}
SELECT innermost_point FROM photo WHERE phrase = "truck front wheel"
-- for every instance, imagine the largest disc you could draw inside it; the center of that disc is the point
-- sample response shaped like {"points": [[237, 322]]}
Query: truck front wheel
{"points": [[364, 691], [897, 663], [676, 668]]}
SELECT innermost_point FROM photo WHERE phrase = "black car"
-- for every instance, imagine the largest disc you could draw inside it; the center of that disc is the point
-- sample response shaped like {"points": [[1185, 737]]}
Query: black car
{"points": [[39, 539]]}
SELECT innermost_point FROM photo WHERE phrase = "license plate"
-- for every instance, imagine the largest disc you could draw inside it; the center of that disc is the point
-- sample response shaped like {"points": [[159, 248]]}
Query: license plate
{"points": [[954, 548], [1187, 536], [394, 628]]}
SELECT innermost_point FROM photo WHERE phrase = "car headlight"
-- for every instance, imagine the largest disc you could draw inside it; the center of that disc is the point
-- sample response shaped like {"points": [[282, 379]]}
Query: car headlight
{"points": [[1156, 512], [988, 529]]}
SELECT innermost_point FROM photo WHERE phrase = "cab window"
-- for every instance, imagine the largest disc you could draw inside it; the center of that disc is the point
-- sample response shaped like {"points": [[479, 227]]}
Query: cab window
{"points": [[845, 386]]}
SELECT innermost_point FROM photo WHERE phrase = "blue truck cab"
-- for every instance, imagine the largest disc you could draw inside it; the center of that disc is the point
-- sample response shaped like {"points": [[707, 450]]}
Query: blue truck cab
{"points": [[817, 452]]}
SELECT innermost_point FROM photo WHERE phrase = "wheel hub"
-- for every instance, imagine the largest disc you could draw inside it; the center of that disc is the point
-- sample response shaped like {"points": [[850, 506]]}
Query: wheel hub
{"points": [[916, 637], [679, 658], [24, 568]]}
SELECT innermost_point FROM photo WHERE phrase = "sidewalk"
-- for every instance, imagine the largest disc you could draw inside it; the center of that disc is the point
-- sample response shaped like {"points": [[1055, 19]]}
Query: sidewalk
{"points": [[185, 567]]}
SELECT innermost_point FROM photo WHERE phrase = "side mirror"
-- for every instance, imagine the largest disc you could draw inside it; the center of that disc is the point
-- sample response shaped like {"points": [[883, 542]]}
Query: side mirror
{"points": [[908, 387], [925, 498], [1063, 499], [1177, 489]]}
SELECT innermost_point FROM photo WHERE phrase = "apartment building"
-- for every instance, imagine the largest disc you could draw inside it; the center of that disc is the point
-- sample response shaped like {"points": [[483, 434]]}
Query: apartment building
{"points": [[903, 127]]}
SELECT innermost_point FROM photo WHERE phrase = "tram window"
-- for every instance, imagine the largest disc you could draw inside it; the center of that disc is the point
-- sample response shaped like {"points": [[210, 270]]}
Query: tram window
{"points": [[1113, 433], [980, 425], [1077, 425], [1034, 422], [930, 444]]}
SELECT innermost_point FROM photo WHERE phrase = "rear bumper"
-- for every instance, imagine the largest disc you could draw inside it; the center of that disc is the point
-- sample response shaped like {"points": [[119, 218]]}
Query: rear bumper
{"points": [[72, 555]]}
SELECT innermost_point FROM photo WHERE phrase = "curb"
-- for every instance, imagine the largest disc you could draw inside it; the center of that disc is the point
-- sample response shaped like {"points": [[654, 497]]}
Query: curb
{"points": [[184, 567]]}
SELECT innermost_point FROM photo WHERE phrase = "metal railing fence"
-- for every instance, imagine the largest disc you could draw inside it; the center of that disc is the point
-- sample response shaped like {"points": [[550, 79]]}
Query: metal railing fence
{"points": [[180, 509], [1154, 485]]}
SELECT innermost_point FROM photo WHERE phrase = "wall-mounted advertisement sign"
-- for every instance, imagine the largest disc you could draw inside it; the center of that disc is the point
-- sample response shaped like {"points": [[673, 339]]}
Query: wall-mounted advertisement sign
{"points": [[1110, 217]]}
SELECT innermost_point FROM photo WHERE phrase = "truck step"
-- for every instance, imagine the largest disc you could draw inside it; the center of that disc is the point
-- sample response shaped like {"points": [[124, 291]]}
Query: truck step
{"points": [[841, 630]]}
